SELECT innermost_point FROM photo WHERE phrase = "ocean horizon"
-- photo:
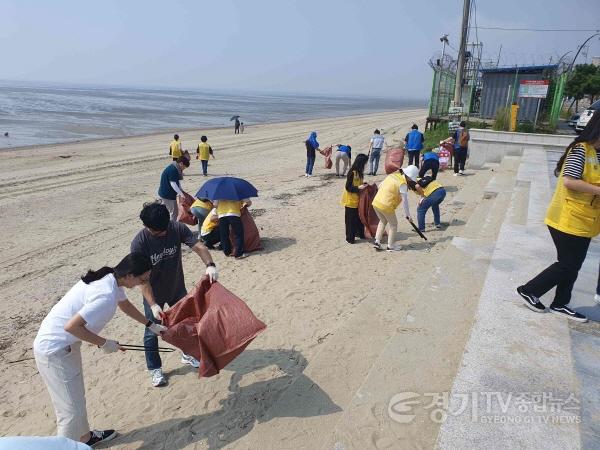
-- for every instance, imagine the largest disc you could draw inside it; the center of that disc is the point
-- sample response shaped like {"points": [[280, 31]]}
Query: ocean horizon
{"points": [[37, 113]]}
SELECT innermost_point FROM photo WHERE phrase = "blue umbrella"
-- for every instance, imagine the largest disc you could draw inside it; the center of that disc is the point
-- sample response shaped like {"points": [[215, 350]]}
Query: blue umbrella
{"points": [[226, 188]]}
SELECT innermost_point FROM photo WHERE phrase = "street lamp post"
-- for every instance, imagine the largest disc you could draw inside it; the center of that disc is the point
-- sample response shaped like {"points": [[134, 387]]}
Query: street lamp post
{"points": [[444, 40]]}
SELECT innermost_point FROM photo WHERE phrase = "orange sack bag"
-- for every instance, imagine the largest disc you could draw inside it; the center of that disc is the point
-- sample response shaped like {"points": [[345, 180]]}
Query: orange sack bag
{"points": [[183, 210], [394, 158], [251, 234], [366, 213], [211, 324], [326, 152]]}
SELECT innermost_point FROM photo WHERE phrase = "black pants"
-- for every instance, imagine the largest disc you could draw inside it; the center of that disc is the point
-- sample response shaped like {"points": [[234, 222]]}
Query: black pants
{"points": [[238, 231], [212, 238], [354, 227], [460, 157], [430, 164], [413, 157], [571, 251]]}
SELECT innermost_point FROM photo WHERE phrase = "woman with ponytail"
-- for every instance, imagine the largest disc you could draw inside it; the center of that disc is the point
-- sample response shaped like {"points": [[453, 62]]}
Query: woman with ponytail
{"points": [[79, 316], [573, 219]]}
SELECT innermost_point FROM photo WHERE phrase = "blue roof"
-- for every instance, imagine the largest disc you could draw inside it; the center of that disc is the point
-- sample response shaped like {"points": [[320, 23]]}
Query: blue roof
{"points": [[522, 69]]}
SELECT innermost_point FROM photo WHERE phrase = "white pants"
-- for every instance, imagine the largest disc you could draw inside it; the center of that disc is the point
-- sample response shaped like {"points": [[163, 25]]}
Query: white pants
{"points": [[343, 156], [386, 219], [63, 374]]}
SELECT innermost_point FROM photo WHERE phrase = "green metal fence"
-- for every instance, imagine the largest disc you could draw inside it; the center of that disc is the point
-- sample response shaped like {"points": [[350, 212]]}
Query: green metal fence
{"points": [[442, 92]]}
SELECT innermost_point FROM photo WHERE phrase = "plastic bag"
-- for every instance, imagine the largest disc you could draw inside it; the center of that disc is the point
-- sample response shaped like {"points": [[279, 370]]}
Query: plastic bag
{"points": [[366, 213], [183, 210], [326, 152], [394, 158], [211, 324]]}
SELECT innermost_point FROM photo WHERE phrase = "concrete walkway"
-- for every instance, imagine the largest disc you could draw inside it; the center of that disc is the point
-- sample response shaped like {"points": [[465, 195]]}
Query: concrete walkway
{"points": [[527, 380]]}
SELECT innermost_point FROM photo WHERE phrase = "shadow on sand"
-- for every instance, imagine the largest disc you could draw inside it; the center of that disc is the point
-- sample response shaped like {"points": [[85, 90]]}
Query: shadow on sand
{"points": [[243, 408]]}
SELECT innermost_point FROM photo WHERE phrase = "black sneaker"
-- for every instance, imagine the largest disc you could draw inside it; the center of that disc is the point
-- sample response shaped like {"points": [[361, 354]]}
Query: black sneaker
{"points": [[531, 301], [101, 436], [568, 313]]}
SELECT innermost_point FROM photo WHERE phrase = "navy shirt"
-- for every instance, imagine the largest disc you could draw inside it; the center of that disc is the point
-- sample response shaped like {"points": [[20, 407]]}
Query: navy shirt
{"points": [[171, 173]]}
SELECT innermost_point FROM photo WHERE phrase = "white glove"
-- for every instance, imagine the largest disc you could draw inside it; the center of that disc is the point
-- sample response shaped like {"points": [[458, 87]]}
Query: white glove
{"points": [[110, 346], [157, 311], [157, 328], [212, 273]]}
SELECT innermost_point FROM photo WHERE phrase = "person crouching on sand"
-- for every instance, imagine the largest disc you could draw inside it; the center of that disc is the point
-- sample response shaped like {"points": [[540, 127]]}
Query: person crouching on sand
{"points": [[392, 192], [354, 184], [432, 194], [200, 209], [79, 316], [209, 231], [344, 154], [229, 213]]}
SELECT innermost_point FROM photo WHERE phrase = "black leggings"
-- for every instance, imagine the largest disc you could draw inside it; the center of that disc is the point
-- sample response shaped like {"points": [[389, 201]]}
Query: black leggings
{"points": [[428, 164], [571, 251], [460, 157], [354, 227]]}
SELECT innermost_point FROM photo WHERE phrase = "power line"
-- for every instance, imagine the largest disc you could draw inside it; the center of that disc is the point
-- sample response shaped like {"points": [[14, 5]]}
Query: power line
{"points": [[537, 29]]}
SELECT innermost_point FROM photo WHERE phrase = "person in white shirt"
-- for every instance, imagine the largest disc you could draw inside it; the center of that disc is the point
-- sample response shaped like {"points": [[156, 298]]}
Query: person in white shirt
{"points": [[375, 147], [79, 316]]}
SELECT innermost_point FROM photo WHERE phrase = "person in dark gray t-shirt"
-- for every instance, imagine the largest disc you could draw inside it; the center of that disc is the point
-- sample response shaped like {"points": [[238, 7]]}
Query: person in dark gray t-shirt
{"points": [[161, 241]]}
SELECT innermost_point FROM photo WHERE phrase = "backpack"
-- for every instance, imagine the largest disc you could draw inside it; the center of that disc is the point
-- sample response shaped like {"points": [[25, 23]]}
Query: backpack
{"points": [[463, 140]]}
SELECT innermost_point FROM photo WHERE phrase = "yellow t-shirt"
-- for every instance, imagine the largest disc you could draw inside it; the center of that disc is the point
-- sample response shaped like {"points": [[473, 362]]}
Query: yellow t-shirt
{"points": [[206, 204], [229, 208], [203, 150], [209, 223], [176, 149], [351, 199], [388, 197]]}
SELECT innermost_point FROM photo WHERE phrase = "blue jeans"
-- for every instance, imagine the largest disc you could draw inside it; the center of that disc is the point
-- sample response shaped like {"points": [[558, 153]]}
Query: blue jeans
{"points": [[433, 202], [153, 360], [310, 163], [374, 161], [200, 214], [204, 167]]}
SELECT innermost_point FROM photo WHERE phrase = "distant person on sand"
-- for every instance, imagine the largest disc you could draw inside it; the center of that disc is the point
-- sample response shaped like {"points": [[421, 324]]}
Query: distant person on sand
{"points": [[242, 127], [432, 194], [343, 154], [169, 187], [203, 153], [573, 219], [237, 126], [175, 148], [354, 184], [414, 144], [312, 146], [392, 191], [160, 240], [375, 148], [431, 161], [461, 148], [80, 315]]}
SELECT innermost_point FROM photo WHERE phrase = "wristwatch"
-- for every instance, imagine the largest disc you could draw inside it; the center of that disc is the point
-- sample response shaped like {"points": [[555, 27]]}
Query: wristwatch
{"points": [[211, 264]]}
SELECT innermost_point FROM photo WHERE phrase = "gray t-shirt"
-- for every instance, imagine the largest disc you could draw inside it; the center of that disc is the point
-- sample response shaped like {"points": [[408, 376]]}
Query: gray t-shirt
{"points": [[166, 279]]}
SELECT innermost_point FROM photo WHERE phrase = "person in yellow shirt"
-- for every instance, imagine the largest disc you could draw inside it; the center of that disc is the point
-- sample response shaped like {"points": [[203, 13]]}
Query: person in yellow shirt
{"points": [[175, 148], [392, 191], [200, 209], [573, 219], [209, 231], [203, 153], [229, 213], [354, 184], [432, 194]]}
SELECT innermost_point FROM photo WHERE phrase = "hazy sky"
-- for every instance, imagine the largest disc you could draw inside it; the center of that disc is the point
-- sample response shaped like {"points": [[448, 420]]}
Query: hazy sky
{"points": [[356, 47]]}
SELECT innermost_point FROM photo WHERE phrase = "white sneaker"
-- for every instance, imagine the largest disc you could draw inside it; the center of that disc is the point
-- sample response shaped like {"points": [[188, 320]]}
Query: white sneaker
{"points": [[597, 298], [305, 175], [394, 248], [461, 172], [158, 379], [190, 360], [455, 174], [308, 175]]}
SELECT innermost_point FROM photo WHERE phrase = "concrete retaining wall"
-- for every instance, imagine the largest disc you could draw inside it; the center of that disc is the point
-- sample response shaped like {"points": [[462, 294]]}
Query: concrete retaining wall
{"points": [[491, 146]]}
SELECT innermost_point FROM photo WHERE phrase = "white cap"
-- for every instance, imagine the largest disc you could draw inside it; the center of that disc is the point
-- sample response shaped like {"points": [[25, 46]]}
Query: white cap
{"points": [[411, 172]]}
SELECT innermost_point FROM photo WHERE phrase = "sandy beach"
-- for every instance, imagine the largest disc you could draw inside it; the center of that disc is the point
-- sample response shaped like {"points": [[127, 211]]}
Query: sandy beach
{"points": [[329, 306]]}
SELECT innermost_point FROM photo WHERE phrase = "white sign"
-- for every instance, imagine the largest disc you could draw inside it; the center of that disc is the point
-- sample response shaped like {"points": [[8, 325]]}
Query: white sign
{"points": [[534, 88], [455, 110]]}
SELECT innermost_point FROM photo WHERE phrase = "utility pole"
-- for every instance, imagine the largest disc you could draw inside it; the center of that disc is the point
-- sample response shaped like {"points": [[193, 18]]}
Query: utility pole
{"points": [[444, 40], [461, 54]]}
